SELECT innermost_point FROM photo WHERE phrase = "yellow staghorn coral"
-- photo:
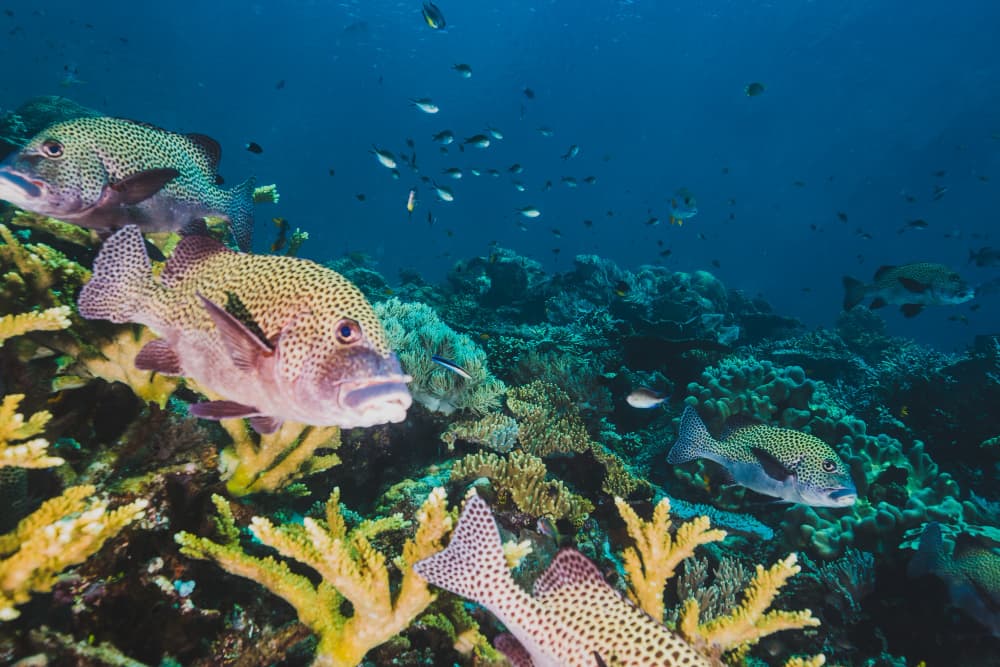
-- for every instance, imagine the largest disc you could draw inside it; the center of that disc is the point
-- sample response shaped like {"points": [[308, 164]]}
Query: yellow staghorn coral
{"points": [[64, 531], [64, 231], [277, 459], [813, 661], [747, 624], [522, 476], [656, 555], [14, 431], [52, 319], [34, 274], [350, 567]]}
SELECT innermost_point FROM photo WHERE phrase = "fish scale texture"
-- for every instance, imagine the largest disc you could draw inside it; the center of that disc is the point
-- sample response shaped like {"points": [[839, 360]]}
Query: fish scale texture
{"points": [[575, 615]]}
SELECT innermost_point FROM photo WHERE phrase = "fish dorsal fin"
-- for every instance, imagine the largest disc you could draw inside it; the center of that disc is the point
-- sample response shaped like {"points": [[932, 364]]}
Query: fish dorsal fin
{"points": [[190, 251], [513, 650], [881, 271], [774, 468], [244, 347], [568, 568], [912, 285], [737, 423], [209, 146]]}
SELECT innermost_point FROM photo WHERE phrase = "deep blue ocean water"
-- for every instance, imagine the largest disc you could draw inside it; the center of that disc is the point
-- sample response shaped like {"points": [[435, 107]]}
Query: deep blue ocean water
{"points": [[865, 104]]}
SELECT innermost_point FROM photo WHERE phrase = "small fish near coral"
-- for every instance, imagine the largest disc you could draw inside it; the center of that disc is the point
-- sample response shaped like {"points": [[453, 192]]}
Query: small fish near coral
{"points": [[644, 398], [914, 286], [573, 618], [279, 338], [104, 173], [779, 462]]}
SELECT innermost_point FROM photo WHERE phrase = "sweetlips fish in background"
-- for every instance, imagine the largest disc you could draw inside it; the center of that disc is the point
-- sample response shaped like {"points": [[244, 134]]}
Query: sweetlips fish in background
{"points": [[912, 285], [279, 338], [104, 173], [573, 618], [793, 466]]}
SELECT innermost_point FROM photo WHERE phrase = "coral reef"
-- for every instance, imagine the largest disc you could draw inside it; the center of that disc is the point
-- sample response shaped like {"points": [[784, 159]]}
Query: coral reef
{"points": [[15, 447]]}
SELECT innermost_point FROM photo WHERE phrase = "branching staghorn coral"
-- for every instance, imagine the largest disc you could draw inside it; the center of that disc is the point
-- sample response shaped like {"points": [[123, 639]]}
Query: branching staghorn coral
{"points": [[64, 531], [522, 476], [15, 447], [274, 461], [416, 332], [653, 559], [351, 568], [64, 231], [51, 319], [34, 275]]}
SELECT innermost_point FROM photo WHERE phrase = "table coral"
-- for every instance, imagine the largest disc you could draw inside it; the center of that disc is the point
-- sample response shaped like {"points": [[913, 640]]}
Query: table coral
{"points": [[351, 570], [64, 531]]}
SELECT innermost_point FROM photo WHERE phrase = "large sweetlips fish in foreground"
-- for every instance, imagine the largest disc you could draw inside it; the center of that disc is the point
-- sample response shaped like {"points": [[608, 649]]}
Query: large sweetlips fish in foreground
{"points": [[104, 173], [793, 466], [573, 618], [279, 338]]}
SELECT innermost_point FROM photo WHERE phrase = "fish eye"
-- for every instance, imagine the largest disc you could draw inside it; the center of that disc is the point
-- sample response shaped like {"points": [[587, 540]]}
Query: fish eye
{"points": [[829, 465], [52, 149], [348, 332]]}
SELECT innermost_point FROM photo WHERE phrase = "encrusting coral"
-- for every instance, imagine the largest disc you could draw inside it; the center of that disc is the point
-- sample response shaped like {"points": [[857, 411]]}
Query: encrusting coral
{"points": [[64, 531], [352, 570]]}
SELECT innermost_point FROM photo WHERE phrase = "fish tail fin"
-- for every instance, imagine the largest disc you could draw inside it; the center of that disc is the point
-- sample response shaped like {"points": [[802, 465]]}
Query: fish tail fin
{"points": [[122, 281], [693, 438], [854, 292], [930, 555], [473, 564], [240, 213]]}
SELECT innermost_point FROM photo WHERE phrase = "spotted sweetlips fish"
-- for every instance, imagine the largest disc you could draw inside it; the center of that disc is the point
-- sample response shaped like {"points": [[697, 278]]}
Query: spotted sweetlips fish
{"points": [[794, 466], [279, 338], [104, 173], [573, 618], [911, 285]]}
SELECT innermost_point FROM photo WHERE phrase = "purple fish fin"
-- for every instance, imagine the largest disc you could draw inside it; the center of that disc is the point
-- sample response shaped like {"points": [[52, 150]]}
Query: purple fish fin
{"points": [[473, 564], [911, 309], [209, 146], [878, 302], [773, 468], [568, 568], [881, 271], [244, 347], [189, 253], [137, 187], [912, 285], [240, 214], [222, 410], [158, 356], [264, 424], [693, 438], [512, 649], [854, 292], [122, 280]]}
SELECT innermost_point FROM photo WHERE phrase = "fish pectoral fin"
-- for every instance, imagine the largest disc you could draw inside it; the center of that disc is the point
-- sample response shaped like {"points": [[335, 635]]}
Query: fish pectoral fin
{"points": [[264, 424], [911, 309], [222, 410], [159, 357], [914, 286], [139, 187], [772, 467], [877, 303], [244, 347]]}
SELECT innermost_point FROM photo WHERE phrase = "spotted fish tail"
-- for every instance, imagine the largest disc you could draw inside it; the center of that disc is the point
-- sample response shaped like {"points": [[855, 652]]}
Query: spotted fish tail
{"points": [[693, 438], [122, 282], [240, 213]]}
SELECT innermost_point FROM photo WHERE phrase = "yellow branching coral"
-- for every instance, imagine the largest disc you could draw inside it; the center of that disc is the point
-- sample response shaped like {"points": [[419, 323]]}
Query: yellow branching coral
{"points": [[350, 567], [549, 422], [656, 555], [63, 231], [64, 531], [35, 274], [814, 661], [277, 459], [751, 621], [522, 476], [52, 319], [16, 449]]}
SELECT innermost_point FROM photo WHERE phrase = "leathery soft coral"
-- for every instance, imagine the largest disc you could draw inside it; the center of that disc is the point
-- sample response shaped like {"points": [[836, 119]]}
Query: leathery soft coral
{"points": [[416, 333]]}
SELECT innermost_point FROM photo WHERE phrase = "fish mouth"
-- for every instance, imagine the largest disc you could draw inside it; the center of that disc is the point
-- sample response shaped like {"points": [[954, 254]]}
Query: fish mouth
{"points": [[377, 400], [12, 182], [843, 497]]}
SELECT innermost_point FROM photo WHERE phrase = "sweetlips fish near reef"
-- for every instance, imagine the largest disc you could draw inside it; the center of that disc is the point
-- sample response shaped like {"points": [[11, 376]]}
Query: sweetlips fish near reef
{"points": [[104, 173], [912, 285], [279, 338], [790, 465], [573, 618]]}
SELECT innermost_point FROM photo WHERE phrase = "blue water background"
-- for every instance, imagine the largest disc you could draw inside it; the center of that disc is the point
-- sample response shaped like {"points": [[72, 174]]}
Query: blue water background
{"points": [[864, 102]]}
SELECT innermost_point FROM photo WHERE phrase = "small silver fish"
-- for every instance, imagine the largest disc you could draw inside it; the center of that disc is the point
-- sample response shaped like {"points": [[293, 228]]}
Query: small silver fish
{"points": [[425, 104], [451, 366], [443, 193], [572, 152], [444, 137], [529, 211], [384, 157], [645, 398], [495, 133], [464, 71]]}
